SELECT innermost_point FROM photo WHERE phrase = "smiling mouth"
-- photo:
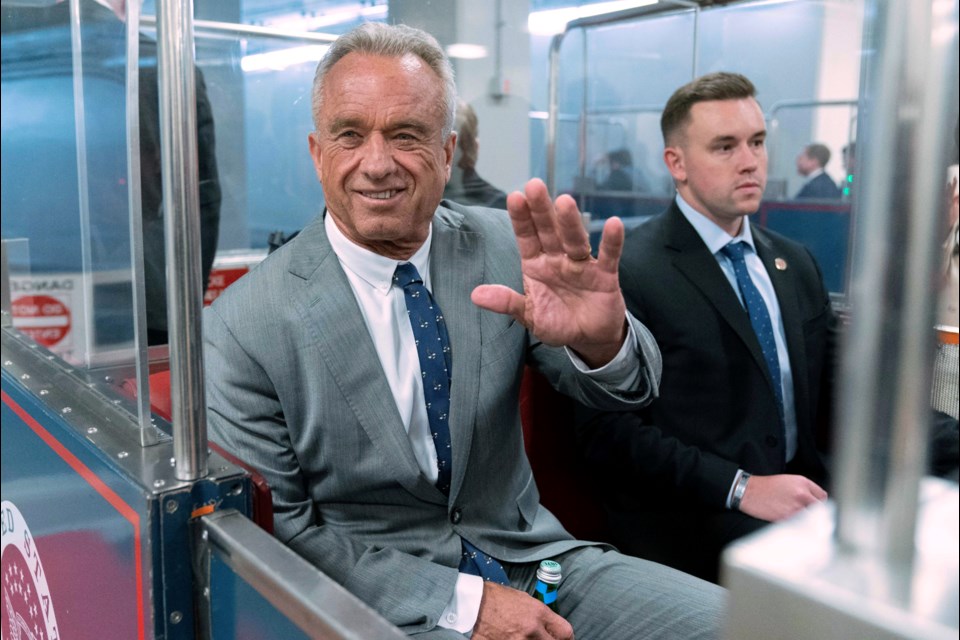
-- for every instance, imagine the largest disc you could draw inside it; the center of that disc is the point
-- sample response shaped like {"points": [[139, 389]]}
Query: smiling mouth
{"points": [[380, 195]]}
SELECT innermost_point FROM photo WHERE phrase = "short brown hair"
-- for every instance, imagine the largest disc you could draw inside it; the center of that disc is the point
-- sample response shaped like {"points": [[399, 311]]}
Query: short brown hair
{"points": [[819, 152], [721, 85]]}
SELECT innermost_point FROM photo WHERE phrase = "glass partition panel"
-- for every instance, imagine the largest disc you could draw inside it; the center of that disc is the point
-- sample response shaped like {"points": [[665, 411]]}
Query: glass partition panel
{"points": [[619, 75], [256, 83], [40, 194], [67, 189], [570, 96]]}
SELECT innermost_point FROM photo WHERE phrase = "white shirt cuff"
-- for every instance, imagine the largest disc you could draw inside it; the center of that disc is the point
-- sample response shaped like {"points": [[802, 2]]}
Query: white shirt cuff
{"points": [[462, 611]]}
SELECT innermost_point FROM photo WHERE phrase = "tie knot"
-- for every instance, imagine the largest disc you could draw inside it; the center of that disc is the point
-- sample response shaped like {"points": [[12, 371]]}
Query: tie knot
{"points": [[734, 251], [406, 274]]}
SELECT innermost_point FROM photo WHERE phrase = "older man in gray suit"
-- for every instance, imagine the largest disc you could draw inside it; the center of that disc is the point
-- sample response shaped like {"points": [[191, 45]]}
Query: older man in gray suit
{"points": [[317, 374]]}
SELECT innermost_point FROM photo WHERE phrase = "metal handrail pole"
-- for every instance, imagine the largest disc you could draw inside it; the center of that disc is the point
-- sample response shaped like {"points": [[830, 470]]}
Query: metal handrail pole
{"points": [[908, 94], [313, 601], [181, 204]]}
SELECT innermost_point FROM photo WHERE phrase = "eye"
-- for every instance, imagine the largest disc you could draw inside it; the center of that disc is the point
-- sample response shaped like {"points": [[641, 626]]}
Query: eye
{"points": [[349, 138]]}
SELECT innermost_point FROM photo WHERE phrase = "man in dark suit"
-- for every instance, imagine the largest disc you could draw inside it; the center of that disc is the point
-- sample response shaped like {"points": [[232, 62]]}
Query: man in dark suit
{"points": [[729, 443], [465, 185], [396, 457], [810, 164]]}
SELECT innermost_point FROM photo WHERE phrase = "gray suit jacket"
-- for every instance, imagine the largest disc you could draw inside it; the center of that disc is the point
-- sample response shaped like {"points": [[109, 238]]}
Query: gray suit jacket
{"points": [[295, 388]]}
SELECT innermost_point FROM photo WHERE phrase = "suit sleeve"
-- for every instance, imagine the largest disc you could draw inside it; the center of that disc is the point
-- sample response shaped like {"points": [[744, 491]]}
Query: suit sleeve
{"points": [[626, 448], [630, 449], [246, 418], [556, 365]]}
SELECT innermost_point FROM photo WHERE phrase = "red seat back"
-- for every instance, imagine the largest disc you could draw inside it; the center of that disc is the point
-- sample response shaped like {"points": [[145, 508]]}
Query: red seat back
{"points": [[549, 438]]}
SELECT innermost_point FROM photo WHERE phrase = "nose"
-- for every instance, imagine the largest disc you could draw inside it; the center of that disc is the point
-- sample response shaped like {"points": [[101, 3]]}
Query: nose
{"points": [[377, 160], [749, 157]]}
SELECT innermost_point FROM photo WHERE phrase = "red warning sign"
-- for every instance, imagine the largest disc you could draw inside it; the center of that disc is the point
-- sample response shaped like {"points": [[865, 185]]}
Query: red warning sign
{"points": [[44, 318], [220, 279]]}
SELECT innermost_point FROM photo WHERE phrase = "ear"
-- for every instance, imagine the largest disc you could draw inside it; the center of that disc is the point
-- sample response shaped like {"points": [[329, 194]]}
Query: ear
{"points": [[673, 158], [449, 147], [313, 140]]}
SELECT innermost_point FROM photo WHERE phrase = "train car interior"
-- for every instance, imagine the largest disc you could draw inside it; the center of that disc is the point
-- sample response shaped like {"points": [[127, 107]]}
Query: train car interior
{"points": [[154, 152]]}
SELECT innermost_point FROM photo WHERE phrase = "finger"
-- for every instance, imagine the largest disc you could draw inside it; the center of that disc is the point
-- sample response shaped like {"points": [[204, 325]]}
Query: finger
{"points": [[543, 215], [611, 245], [818, 492], [558, 627], [573, 236], [500, 299], [527, 240]]}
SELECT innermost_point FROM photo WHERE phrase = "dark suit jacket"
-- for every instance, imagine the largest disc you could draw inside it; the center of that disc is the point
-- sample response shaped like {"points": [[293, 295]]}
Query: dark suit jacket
{"points": [[820, 188], [669, 467], [474, 190]]}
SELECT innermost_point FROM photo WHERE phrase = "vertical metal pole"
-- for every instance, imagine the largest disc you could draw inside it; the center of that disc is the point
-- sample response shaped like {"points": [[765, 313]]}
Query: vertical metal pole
{"points": [[181, 202], [148, 434], [584, 101], [883, 421], [553, 111]]}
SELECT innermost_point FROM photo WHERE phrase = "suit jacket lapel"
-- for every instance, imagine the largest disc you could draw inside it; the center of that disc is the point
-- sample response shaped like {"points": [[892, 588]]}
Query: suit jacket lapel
{"points": [[699, 266], [332, 314], [451, 288]]}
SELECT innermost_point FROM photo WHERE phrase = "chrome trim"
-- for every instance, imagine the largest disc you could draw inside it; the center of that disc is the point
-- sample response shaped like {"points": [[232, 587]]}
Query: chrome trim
{"points": [[135, 208], [91, 405], [5, 301], [79, 116], [320, 607], [210, 27], [910, 88], [181, 204]]}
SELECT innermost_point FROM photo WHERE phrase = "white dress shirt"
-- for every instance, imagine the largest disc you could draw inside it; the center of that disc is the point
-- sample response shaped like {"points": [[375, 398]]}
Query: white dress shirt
{"points": [[384, 312]]}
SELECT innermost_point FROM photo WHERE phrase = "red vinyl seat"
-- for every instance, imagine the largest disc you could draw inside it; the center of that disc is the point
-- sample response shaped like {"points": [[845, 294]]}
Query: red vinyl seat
{"points": [[548, 435]]}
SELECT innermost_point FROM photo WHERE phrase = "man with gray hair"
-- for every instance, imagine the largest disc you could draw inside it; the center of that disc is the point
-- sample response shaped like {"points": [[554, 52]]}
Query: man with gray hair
{"points": [[389, 430], [810, 164]]}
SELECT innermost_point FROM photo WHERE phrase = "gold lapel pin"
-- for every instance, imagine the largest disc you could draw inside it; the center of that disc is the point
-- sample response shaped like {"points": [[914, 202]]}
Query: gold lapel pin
{"points": [[781, 264]]}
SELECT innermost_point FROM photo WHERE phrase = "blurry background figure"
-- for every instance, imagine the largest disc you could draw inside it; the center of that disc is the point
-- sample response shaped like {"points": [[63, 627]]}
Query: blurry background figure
{"points": [[948, 311], [620, 167], [151, 198], [849, 155], [810, 164], [945, 435], [465, 185]]}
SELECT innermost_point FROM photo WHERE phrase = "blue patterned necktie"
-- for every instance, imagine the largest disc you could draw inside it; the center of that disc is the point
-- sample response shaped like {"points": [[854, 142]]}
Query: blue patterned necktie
{"points": [[433, 349], [759, 318]]}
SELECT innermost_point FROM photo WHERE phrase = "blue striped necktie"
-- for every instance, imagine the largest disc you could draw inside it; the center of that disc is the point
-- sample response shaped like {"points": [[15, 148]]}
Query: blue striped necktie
{"points": [[433, 350], [759, 319]]}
